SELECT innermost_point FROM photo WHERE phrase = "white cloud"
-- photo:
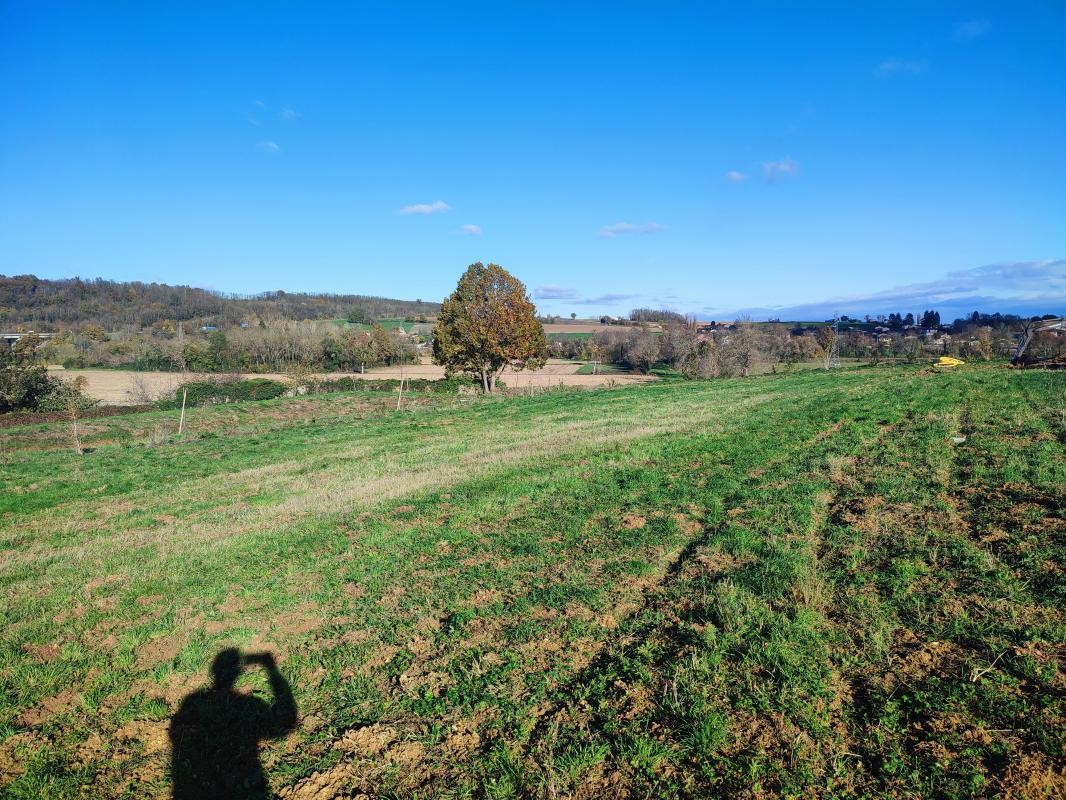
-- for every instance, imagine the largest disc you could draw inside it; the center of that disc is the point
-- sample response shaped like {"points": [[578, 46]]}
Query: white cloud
{"points": [[472, 230], [554, 293], [289, 114], [259, 104], [972, 28], [611, 231], [901, 66], [733, 176], [438, 207], [1027, 287], [775, 170], [268, 146]]}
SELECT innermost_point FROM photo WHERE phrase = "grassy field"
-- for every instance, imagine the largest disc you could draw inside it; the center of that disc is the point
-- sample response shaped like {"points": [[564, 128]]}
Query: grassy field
{"points": [[844, 584], [566, 336], [388, 323], [602, 369]]}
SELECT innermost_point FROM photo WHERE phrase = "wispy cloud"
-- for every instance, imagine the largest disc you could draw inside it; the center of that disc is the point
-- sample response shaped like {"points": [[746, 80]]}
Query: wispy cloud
{"points": [[471, 230], [1025, 287], [550, 292], [267, 146], [901, 66], [439, 207], [289, 114], [972, 29], [605, 299], [733, 176], [257, 106], [776, 170], [611, 231]]}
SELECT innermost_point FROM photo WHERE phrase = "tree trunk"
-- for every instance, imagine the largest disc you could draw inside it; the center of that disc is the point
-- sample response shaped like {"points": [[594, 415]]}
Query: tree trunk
{"points": [[1023, 342], [485, 380]]}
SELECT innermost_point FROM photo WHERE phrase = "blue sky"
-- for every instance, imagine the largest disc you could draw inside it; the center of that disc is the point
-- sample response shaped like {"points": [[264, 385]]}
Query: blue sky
{"points": [[705, 157]]}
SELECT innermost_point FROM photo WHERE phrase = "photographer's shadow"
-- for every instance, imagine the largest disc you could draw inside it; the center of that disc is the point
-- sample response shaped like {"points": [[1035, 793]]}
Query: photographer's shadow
{"points": [[216, 732]]}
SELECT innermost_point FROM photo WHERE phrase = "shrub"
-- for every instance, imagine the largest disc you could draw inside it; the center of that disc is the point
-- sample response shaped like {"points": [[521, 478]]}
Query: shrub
{"points": [[23, 385], [207, 393], [445, 386]]}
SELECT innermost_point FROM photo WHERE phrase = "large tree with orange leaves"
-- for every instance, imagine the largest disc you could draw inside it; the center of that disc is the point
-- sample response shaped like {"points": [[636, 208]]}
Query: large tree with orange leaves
{"points": [[486, 324]]}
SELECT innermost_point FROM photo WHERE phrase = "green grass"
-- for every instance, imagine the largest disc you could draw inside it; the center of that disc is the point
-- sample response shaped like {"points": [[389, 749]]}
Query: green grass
{"points": [[601, 369], [790, 585], [575, 337], [388, 323]]}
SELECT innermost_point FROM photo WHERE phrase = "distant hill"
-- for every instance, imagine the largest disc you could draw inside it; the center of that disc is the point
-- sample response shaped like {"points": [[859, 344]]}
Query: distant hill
{"points": [[46, 305]]}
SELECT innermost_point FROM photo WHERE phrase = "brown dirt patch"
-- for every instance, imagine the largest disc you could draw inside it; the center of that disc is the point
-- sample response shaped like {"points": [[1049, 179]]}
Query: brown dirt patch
{"points": [[106, 603], [370, 740], [420, 646], [96, 583], [354, 590], [686, 524], [632, 522], [91, 749], [46, 653], [14, 752], [483, 633], [178, 686], [917, 660], [382, 655], [406, 754], [327, 785], [78, 612], [485, 597], [1032, 776], [49, 707], [159, 650], [299, 622], [432, 683], [152, 735], [712, 562], [463, 740]]}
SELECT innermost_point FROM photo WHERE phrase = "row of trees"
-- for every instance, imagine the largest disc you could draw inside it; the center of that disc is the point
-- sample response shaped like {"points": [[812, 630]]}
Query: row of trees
{"points": [[699, 352], [50, 305], [489, 323], [704, 354], [279, 346]]}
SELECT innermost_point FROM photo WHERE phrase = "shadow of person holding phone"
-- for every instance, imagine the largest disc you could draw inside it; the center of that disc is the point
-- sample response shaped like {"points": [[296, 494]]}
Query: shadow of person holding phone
{"points": [[216, 732]]}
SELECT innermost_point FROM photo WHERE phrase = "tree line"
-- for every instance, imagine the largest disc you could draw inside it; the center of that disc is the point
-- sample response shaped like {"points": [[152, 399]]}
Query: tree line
{"points": [[702, 351], [274, 347], [52, 305]]}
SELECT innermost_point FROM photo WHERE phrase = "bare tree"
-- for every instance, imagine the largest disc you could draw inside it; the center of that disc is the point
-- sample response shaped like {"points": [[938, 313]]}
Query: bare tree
{"points": [[828, 338], [642, 351], [69, 398], [677, 342], [703, 362], [1025, 336]]}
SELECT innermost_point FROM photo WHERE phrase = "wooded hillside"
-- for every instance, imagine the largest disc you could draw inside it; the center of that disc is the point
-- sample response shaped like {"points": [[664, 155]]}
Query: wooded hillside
{"points": [[46, 305]]}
